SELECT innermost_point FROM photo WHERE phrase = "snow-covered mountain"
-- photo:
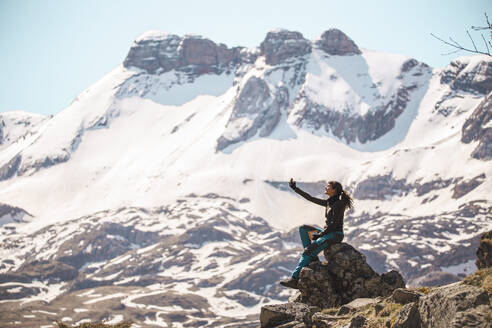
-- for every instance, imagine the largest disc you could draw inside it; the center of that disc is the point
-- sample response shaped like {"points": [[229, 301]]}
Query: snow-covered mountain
{"points": [[186, 116]]}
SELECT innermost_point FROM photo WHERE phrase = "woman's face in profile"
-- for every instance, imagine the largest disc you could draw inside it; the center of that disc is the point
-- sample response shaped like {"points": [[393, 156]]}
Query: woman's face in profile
{"points": [[329, 190]]}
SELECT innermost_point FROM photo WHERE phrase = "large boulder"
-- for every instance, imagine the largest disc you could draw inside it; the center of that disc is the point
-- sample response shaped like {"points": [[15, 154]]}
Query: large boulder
{"points": [[344, 277], [279, 314], [455, 305], [484, 252]]}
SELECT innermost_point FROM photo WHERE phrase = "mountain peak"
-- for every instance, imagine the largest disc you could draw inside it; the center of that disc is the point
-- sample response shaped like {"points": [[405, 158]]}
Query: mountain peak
{"points": [[335, 42], [281, 44]]}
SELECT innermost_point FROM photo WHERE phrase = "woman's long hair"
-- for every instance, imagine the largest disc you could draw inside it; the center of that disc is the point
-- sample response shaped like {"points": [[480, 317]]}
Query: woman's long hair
{"points": [[344, 196]]}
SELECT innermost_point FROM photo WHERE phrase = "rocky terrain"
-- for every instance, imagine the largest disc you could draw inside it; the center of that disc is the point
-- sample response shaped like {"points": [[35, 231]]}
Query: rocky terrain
{"points": [[353, 296]]}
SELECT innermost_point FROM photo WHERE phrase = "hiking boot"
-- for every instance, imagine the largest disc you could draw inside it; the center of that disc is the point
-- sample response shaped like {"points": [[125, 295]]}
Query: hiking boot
{"points": [[291, 283]]}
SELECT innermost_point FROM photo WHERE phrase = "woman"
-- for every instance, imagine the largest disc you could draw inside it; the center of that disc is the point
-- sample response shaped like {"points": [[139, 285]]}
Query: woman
{"points": [[335, 207]]}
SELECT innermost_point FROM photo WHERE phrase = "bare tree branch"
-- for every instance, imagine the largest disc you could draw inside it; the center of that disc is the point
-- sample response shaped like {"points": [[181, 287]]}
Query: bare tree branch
{"points": [[453, 43]]}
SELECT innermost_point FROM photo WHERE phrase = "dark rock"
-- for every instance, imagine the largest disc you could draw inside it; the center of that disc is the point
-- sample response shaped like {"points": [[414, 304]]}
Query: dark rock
{"points": [[163, 53], [409, 317], [447, 305], [10, 168], [404, 296], [381, 187], [15, 214], [475, 129], [353, 128], [472, 79], [335, 42], [464, 187], [274, 315], [256, 111], [345, 277], [358, 321], [484, 251], [280, 45]]}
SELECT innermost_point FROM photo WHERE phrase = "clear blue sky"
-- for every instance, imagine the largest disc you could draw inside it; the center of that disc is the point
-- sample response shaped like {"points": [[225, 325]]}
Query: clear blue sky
{"points": [[52, 50]]}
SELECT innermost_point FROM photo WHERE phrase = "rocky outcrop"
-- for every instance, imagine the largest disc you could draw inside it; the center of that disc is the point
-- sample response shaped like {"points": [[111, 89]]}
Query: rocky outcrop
{"points": [[10, 214], [477, 128], [455, 305], [159, 53], [468, 74], [280, 45], [381, 187], [335, 42], [293, 313], [346, 276], [464, 187], [353, 127], [256, 111], [484, 251]]}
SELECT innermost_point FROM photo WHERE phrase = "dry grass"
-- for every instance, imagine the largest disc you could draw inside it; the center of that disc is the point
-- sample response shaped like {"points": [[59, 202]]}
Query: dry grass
{"points": [[481, 278], [424, 290], [126, 324]]}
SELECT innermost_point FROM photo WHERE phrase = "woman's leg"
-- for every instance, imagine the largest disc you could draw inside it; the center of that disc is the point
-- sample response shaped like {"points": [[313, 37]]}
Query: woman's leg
{"points": [[313, 251], [304, 233]]}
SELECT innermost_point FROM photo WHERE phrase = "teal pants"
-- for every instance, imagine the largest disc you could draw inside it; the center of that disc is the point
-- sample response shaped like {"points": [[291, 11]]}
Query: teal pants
{"points": [[318, 245]]}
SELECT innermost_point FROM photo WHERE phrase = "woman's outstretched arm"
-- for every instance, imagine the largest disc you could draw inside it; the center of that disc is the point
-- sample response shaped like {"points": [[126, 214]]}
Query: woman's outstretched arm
{"points": [[319, 201]]}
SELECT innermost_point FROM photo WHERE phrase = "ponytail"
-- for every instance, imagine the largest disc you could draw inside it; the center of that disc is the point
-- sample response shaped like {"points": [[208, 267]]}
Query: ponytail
{"points": [[347, 200], [344, 196]]}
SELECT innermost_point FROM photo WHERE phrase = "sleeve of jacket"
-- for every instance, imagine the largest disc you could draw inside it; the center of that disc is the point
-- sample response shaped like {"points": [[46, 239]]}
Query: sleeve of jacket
{"points": [[319, 201]]}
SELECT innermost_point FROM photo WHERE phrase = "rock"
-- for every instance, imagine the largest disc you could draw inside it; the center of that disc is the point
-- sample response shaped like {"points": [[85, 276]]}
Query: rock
{"points": [[447, 306], [404, 296], [484, 251], [469, 75], [335, 42], [345, 277], [464, 187], [408, 317], [9, 170], [323, 320], [358, 322], [275, 315], [256, 111], [280, 45], [476, 127], [353, 127], [355, 305], [381, 187], [158, 53]]}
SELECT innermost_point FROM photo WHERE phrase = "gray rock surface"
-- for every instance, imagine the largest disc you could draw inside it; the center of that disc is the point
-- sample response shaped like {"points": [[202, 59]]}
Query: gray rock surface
{"points": [[475, 129], [454, 305], [346, 276], [162, 54], [281, 45], [409, 317], [404, 296], [484, 251], [335, 42], [477, 78], [256, 112], [276, 315]]}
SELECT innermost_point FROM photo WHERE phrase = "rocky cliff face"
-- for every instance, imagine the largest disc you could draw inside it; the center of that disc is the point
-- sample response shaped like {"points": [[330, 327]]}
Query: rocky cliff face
{"points": [[158, 53], [335, 42], [477, 128]]}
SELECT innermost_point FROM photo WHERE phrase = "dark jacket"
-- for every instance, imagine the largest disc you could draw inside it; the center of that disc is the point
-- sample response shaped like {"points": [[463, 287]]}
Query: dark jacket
{"points": [[334, 210]]}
